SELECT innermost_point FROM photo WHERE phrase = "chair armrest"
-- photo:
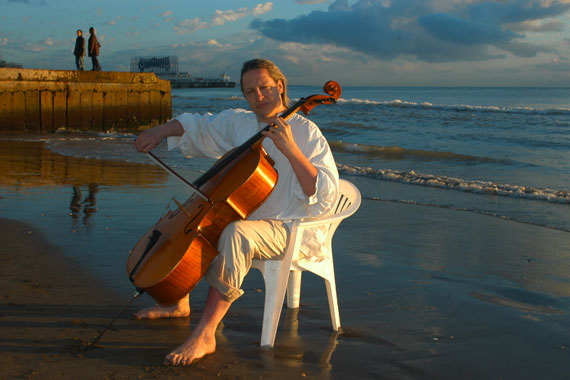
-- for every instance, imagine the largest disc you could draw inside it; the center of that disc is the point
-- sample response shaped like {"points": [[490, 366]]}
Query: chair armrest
{"points": [[321, 220]]}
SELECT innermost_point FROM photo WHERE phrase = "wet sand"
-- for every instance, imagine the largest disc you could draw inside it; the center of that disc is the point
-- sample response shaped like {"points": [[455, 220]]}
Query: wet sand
{"points": [[424, 292], [52, 310]]}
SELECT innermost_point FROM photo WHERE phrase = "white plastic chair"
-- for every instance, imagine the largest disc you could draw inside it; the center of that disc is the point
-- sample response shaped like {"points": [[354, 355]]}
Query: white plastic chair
{"points": [[285, 274]]}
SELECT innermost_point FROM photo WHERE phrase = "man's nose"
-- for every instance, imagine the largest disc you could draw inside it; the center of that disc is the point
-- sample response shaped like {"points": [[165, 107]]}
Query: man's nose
{"points": [[258, 93]]}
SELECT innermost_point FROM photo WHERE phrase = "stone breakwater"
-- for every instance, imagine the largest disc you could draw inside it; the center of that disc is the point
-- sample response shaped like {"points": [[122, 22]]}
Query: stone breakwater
{"points": [[45, 101]]}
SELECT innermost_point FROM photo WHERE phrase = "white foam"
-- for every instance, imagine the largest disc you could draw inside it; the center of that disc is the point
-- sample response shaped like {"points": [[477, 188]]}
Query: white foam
{"points": [[479, 187], [459, 107]]}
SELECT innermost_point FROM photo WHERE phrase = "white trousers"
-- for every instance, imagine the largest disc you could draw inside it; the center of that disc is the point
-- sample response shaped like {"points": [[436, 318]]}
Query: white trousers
{"points": [[239, 244]]}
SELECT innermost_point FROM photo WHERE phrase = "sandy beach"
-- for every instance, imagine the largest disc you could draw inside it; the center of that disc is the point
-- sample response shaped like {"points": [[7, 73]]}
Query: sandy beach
{"points": [[424, 292]]}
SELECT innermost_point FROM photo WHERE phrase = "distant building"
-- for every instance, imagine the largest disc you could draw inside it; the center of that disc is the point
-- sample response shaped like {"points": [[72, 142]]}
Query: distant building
{"points": [[167, 68]]}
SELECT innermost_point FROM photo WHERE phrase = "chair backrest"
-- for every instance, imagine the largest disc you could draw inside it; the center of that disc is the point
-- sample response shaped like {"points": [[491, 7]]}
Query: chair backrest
{"points": [[349, 198], [348, 202]]}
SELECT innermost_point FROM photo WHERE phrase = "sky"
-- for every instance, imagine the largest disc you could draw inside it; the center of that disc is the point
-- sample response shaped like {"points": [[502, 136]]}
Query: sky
{"points": [[356, 43]]}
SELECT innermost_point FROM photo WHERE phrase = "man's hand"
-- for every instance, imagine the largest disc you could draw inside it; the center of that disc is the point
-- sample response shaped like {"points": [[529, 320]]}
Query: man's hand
{"points": [[149, 139]]}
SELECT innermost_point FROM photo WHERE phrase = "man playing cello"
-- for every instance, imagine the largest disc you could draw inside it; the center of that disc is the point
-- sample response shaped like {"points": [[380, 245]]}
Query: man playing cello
{"points": [[307, 186]]}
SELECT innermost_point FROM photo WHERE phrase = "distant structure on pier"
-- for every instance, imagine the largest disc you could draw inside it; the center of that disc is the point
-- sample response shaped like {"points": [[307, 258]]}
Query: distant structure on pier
{"points": [[167, 68], [14, 65]]}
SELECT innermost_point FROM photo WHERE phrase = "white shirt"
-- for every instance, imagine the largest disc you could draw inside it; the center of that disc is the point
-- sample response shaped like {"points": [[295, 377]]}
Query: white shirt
{"points": [[212, 135]]}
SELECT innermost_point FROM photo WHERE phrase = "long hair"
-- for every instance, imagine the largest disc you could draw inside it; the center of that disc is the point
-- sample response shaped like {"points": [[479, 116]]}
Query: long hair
{"points": [[274, 73]]}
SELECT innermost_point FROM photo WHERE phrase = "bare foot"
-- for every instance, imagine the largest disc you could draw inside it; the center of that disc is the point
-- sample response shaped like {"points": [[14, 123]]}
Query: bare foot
{"points": [[179, 310], [194, 348]]}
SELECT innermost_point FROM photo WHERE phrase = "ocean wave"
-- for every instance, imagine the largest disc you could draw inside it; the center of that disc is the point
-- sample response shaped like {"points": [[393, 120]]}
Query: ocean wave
{"points": [[399, 153], [451, 183], [397, 103]]}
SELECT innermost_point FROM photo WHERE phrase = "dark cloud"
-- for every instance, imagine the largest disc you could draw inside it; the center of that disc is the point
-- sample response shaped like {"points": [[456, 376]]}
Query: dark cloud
{"points": [[450, 28], [418, 28], [366, 30]]}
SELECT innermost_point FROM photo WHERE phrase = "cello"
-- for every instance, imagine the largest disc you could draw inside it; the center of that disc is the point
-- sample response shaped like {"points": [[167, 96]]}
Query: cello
{"points": [[174, 254]]}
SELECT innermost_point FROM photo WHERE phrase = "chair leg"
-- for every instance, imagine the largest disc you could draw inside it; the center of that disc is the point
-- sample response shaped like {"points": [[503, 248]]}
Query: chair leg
{"points": [[326, 271], [330, 284], [274, 297], [294, 289]]}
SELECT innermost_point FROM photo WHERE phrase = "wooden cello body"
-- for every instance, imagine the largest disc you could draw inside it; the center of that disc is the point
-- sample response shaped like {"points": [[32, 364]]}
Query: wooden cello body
{"points": [[174, 254]]}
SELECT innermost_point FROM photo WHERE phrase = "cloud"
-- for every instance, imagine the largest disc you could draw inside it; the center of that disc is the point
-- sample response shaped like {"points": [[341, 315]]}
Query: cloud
{"points": [[556, 66], [189, 25], [537, 26], [524, 49], [433, 31], [39, 46], [457, 30], [261, 9], [21, 45], [220, 18]]}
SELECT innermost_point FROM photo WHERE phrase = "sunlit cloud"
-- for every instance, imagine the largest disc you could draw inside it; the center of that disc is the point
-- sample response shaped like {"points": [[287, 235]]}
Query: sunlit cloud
{"points": [[537, 26], [220, 17], [38, 46], [261, 9], [189, 25]]}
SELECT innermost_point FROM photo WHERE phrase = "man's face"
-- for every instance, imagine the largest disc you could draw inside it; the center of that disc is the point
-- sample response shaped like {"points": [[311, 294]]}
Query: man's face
{"points": [[79, 33], [263, 94]]}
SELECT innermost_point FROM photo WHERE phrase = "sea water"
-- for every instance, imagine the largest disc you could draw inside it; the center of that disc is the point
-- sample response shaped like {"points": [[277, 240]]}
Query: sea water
{"points": [[503, 152]]}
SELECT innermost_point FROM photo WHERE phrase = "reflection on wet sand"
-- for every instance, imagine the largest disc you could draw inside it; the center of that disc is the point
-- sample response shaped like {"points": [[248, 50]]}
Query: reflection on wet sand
{"points": [[25, 164], [88, 204], [28, 164], [292, 350]]}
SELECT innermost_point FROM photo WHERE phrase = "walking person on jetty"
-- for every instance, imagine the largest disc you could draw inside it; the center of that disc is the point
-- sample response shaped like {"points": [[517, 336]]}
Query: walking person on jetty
{"points": [[79, 50], [94, 46], [307, 186]]}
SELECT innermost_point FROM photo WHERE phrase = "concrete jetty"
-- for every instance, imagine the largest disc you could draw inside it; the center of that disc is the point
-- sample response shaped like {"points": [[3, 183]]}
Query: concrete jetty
{"points": [[45, 101]]}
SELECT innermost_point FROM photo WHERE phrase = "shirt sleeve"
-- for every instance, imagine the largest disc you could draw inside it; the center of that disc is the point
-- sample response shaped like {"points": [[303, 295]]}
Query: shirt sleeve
{"points": [[317, 150], [208, 135]]}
